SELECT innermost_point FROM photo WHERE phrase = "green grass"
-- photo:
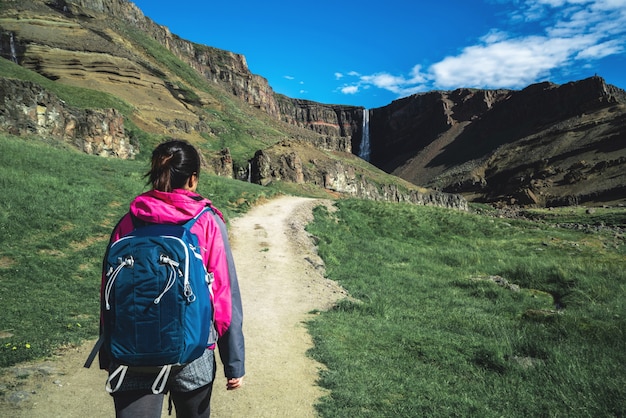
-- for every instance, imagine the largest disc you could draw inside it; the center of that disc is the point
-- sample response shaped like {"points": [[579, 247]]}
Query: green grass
{"points": [[57, 210], [426, 337], [580, 215]]}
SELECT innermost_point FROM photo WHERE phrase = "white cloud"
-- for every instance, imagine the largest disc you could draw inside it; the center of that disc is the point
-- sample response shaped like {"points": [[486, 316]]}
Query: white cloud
{"points": [[350, 89], [338, 76], [572, 34], [600, 50], [508, 63], [494, 35], [384, 81], [288, 77], [399, 85]]}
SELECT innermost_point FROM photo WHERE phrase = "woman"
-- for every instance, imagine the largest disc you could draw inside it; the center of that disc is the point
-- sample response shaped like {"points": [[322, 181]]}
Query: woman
{"points": [[173, 200]]}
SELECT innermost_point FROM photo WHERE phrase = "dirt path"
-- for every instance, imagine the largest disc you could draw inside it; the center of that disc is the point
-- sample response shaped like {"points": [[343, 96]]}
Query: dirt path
{"points": [[281, 283]]}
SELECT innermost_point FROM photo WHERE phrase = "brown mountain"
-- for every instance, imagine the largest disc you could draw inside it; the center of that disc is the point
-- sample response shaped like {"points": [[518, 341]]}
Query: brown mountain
{"points": [[546, 144]]}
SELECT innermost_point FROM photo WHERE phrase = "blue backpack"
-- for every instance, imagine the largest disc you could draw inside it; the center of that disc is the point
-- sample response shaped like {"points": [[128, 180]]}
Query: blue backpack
{"points": [[157, 304]]}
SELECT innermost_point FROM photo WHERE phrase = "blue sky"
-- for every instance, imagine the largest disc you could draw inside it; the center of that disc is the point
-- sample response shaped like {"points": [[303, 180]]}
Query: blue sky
{"points": [[369, 53]]}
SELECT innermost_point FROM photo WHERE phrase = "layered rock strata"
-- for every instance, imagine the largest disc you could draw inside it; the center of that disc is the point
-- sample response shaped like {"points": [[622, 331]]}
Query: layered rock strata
{"points": [[28, 109]]}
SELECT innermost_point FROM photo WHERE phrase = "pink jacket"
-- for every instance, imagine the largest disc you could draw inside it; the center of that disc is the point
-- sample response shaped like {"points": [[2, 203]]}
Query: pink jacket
{"points": [[179, 206]]}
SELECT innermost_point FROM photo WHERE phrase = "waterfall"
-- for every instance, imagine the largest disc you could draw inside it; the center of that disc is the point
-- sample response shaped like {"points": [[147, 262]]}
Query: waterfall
{"points": [[364, 149], [12, 45], [249, 172]]}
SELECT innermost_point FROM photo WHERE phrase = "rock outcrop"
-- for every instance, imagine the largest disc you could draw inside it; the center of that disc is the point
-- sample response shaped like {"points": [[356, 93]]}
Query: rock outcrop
{"points": [[303, 164], [28, 109], [341, 124]]}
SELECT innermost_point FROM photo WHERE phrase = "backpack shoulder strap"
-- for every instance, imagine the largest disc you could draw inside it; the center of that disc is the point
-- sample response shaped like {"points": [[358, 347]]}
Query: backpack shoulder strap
{"points": [[137, 223], [193, 220]]}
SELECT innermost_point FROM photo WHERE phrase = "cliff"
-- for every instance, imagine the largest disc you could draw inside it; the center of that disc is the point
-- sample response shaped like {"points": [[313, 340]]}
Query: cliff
{"points": [[346, 175], [332, 121], [230, 70], [547, 144], [28, 109], [406, 126]]}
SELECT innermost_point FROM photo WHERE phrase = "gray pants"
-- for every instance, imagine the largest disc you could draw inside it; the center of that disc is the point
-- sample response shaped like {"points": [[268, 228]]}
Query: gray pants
{"points": [[139, 404]]}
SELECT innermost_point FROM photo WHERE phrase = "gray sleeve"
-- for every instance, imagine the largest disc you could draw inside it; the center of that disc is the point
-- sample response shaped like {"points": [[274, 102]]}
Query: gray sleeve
{"points": [[231, 344]]}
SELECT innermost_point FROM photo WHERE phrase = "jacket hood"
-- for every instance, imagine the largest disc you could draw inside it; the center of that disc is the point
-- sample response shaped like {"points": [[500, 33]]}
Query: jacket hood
{"points": [[168, 207]]}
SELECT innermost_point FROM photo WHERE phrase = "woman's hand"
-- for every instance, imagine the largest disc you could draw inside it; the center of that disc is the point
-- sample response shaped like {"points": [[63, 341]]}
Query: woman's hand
{"points": [[234, 383]]}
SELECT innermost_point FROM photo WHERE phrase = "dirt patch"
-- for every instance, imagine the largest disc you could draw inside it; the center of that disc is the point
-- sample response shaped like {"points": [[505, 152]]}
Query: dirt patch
{"points": [[281, 279]]}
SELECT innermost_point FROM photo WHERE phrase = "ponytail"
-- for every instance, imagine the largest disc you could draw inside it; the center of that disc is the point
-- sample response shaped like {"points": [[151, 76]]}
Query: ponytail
{"points": [[173, 163]]}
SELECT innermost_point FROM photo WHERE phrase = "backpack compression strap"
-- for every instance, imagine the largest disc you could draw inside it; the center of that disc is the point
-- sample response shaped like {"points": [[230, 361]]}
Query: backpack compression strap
{"points": [[157, 387], [94, 352]]}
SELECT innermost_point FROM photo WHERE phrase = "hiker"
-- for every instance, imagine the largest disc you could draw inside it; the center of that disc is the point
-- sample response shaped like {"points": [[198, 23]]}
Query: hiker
{"points": [[173, 200]]}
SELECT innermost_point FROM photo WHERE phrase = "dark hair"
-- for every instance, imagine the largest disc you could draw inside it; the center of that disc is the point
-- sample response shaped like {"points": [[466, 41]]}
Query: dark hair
{"points": [[173, 162]]}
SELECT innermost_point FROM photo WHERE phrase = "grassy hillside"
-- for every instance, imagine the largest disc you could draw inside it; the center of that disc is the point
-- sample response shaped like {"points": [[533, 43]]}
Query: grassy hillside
{"points": [[459, 314], [57, 210], [233, 126], [106, 62]]}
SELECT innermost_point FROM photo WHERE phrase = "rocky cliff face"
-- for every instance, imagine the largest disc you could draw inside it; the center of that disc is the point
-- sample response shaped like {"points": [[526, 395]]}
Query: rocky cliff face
{"points": [[231, 71], [406, 126], [304, 164], [343, 123], [535, 146], [27, 109], [224, 67]]}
